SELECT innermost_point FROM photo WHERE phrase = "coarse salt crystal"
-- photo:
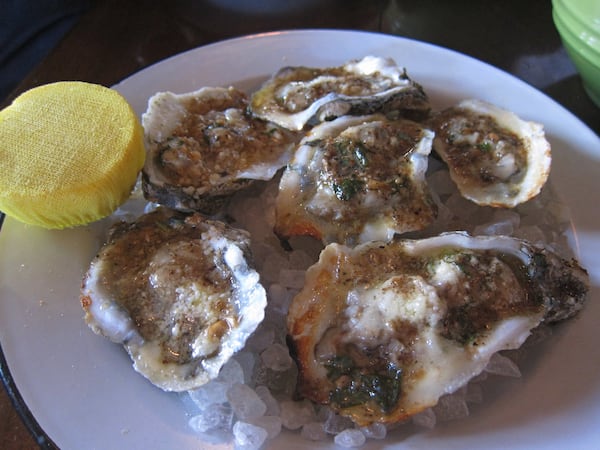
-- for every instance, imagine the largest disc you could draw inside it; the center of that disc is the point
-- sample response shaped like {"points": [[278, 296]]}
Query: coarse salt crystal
{"points": [[261, 339], [501, 365], [313, 431], [451, 407], [334, 423], [474, 393], [441, 183], [248, 436], [214, 417], [271, 424], [425, 419], [213, 392], [375, 431], [350, 438], [294, 414], [245, 402], [279, 298], [277, 357], [292, 278], [247, 361], [272, 404], [231, 373], [299, 259], [272, 267]]}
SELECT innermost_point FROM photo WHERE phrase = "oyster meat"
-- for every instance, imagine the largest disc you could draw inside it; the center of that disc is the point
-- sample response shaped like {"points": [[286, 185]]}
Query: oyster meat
{"points": [[357, 179], [178, 292], [296, 96], [382, 330], [494, 157], [203, 146]]}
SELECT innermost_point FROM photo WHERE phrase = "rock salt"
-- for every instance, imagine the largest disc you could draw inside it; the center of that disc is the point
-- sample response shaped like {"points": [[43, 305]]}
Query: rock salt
{"points": [[494, 229], [502, 223], [441, 183], [375, 431], [350, 438], [425, 419], [313, 431], [451, 407], [247, 361], [295, 414], [272, 267], [248, 436], [214, 417], [231, 373], [501, 365], [261, 339], [292, 278], [271, 424], [279, 298], [334, 423], [531, 233], [245, 402], [277, 357], [474, 393], [280, 383], [465, 210], [209, 393], [272, 404], [299, 259]]}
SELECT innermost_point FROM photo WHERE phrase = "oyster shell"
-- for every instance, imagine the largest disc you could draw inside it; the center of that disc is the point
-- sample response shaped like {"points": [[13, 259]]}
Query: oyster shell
{"points": [[202, 147], [357, 179], [296, 96], [381, 331], [494, 157], [178, 292]]}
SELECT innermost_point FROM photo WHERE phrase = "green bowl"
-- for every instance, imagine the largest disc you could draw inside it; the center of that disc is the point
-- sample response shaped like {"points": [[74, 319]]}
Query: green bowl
{"points": [[581, 18], [580, 13], [582, 44]]}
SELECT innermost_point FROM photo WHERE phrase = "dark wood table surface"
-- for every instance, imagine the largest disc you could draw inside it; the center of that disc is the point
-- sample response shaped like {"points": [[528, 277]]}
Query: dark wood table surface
{"points": [[114, 39]]}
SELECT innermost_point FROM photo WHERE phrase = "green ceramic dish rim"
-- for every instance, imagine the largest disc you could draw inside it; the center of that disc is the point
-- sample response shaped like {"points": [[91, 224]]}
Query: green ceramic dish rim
{"points": [[573, 16], [590, 53]]}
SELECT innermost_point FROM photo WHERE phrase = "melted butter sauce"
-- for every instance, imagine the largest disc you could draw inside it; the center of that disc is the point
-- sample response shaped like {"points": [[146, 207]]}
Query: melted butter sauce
{"points": [[479, 149], [398, 310], [173, 283]]}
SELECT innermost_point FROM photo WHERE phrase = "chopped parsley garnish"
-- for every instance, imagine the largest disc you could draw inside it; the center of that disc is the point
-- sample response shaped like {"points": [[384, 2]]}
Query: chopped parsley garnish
{"points": [[356, 386], [348, 188], [351, 153], [484, 146], [360, 155]]}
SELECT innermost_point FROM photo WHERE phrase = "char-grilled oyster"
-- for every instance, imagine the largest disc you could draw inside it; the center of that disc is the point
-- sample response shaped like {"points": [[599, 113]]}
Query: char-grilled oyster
{"points": [[203, 146], [178, 292], [357, 179], [381, 331], [494, 157], [296, 96]]}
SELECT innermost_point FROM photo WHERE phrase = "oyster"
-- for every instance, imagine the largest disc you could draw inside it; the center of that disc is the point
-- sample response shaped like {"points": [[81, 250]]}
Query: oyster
{"points": [[494, 157], [178, 292], [357, 179], [202, 147], [296, 96], [381, 331]]}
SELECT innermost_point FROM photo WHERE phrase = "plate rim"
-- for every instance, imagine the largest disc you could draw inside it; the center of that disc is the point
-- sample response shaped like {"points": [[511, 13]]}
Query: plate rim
{"points": [[9, 382]]}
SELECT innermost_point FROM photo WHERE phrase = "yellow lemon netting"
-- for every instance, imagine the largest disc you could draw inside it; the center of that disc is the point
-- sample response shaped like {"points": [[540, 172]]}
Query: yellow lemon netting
{"points": [[70, 153]]}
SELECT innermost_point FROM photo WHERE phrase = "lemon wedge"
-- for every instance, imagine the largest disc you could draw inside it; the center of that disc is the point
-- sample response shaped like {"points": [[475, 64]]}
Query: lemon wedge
{"points": [[70, 154]]}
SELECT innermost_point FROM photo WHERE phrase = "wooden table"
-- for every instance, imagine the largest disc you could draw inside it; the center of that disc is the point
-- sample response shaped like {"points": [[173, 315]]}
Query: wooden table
{"points": [[116, 38]]}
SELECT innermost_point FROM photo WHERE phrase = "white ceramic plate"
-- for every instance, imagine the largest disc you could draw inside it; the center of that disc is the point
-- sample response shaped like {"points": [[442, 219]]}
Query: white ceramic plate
{"points": [[82, 390]]}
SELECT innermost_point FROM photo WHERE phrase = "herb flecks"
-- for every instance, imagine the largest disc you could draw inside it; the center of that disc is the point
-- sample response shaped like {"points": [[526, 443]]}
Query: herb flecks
{"points": [[351, 153], [347, 188], [484, 146], [357, 386]]}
